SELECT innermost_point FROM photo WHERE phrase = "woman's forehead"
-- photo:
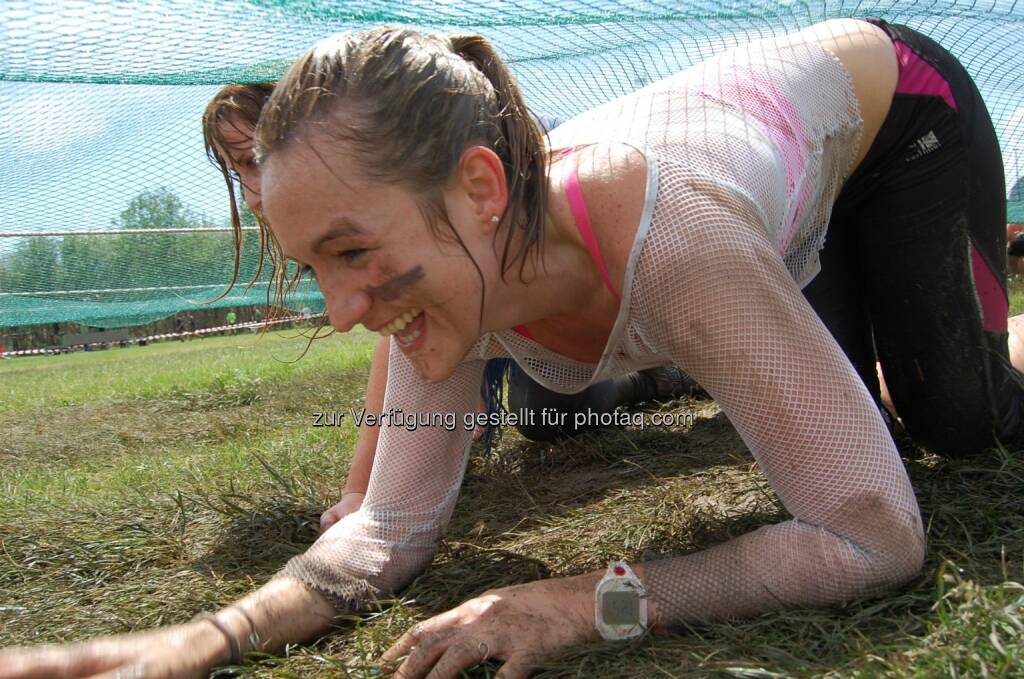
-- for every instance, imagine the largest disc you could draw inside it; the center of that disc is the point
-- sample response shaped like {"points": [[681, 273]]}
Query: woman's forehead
{"points": [[322, 184], [235, 133], [307, 159]]}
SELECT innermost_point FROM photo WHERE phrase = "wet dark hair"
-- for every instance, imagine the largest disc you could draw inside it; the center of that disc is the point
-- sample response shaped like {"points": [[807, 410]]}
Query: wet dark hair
{"points": [[406, 106]]}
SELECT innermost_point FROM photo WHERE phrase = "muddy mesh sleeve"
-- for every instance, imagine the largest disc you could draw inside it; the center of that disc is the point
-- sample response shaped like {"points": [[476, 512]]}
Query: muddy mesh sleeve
{"points": [[420, 460], [714, 296]]}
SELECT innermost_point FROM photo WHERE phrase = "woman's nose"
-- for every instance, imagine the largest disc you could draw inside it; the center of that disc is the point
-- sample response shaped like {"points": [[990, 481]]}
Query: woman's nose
{"points": [[345, 308], [251, 194]]}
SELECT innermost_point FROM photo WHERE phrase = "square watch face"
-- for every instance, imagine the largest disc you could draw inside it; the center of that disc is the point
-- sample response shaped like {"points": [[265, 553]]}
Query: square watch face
{"points": [[620, 608]]}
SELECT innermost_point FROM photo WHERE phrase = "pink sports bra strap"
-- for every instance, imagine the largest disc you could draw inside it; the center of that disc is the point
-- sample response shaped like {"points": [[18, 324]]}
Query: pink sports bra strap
{"points": [[524, 331], [578, 207], [574, 194]]}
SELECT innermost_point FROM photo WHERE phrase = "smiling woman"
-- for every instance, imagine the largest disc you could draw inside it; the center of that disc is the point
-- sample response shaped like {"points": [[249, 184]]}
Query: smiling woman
{"points": [[229, 122], [685, 222], [368, 237], [686, 232]]}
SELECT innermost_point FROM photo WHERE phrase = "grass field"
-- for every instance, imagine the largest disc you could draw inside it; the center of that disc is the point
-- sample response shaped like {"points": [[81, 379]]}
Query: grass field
{"points": [[142, 486], [1016, 290]]}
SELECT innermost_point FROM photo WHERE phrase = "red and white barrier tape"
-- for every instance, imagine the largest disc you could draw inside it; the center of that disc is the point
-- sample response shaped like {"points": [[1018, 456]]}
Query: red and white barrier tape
{"points": [[49, 351]]}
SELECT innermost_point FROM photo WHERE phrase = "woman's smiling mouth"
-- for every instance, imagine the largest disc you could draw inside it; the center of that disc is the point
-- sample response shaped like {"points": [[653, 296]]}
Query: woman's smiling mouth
{"points": [[406, 328]]}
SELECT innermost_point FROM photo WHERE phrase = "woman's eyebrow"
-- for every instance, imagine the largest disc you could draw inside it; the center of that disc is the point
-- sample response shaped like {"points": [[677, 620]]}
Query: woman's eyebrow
{"points": [[339, 228]]}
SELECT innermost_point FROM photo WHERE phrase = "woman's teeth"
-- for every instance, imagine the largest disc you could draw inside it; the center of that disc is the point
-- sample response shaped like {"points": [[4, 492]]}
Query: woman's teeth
{"points": [[399, 324]]}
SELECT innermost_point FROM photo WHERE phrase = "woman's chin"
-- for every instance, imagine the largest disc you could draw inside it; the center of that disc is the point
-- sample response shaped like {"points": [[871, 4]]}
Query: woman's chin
{"points": [[435, 364], [433, 368]]}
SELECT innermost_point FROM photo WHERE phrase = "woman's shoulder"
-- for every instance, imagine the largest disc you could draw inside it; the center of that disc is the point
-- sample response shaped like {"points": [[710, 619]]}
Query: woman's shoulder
{"points": [[626, 198], [614, 180], [869, 59]]}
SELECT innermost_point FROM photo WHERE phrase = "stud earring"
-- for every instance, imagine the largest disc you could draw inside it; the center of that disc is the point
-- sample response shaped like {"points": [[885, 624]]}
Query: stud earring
{"points": [[495, 219]]}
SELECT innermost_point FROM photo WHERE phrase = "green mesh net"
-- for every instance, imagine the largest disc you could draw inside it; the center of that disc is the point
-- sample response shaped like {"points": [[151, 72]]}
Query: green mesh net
{"points": [[112, 216]]}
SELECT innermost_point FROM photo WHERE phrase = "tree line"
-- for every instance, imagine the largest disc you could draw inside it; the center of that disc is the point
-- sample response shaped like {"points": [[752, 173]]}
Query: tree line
{"points": [[130, 261]]}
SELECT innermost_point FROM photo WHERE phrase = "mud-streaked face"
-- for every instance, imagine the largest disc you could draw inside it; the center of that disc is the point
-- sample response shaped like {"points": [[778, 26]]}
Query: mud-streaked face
{"points": [[374, 256]]}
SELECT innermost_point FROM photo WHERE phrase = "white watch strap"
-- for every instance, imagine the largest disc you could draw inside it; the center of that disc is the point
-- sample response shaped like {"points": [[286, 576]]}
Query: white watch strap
{"points": [[620, 604]]}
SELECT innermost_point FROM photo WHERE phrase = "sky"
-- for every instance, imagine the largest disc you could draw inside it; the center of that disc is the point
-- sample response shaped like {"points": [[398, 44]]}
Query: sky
{"points": [[74, 155]]}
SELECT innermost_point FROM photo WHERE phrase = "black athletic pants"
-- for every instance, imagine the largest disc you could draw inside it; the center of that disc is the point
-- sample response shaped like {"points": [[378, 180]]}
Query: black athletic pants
{"points": [[914, 265]]}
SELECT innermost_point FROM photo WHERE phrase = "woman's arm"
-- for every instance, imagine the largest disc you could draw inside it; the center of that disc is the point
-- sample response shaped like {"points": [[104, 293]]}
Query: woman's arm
{"points": [[716, 297], [366, 447], [415, 481], [737, 322], [281, 612]]}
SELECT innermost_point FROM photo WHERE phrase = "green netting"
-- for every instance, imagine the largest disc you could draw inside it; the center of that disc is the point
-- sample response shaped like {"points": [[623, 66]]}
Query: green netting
{"points": [[1015, 204], [106, 314], [100, 105]]}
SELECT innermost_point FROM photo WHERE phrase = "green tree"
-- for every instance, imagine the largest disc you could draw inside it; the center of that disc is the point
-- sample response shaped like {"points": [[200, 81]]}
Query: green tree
{"points": [[153, 260], [157, 209], [34, 266]]}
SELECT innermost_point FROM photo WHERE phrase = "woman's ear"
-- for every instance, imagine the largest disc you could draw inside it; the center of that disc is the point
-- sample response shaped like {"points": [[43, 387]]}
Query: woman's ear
{"points": [[481, 178]]}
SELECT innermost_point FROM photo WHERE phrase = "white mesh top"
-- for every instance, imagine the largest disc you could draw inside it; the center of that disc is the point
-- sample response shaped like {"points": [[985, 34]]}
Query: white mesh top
{"points": [[746, 154]]}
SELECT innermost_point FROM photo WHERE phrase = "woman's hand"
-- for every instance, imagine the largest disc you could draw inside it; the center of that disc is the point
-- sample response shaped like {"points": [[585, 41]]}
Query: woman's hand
{"points": [[349, 503], [181, 652], [522, 625]]}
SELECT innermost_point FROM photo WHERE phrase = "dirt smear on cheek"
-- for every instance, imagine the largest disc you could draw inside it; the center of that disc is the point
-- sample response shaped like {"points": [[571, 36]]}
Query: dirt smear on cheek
{"points": [[391, 289]]}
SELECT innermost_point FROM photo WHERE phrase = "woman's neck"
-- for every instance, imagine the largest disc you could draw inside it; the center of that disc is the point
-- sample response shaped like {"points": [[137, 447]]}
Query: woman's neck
{"points": [[560, 295], [556, 281], [568, 299]]}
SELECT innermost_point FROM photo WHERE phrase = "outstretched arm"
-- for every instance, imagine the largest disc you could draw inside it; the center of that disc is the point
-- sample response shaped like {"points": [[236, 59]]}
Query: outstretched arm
{"points": [[281, 612]]}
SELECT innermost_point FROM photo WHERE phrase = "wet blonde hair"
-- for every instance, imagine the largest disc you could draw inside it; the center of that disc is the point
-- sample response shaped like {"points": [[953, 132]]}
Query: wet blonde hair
{"points": [[406, 106]]}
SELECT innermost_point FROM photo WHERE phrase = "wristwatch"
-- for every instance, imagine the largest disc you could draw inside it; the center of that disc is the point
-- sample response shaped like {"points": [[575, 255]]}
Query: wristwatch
{"points": [[620, 604]]}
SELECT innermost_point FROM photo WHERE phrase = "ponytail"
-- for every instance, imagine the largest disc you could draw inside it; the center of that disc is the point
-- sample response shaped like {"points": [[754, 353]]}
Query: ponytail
{"points": [[520, 145]]}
